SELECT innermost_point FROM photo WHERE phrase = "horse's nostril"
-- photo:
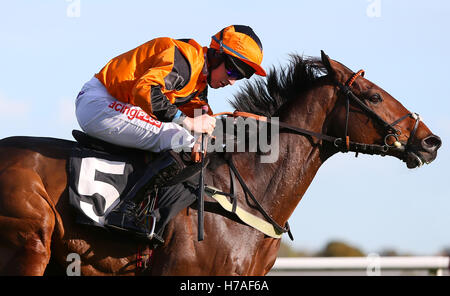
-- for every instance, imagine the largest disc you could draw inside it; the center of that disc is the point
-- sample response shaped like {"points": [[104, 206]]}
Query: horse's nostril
{"points": [[432, 142]]}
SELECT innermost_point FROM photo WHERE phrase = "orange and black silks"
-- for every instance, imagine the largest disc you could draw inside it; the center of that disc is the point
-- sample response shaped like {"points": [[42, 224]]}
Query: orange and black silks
{"points": [[161, 76]]}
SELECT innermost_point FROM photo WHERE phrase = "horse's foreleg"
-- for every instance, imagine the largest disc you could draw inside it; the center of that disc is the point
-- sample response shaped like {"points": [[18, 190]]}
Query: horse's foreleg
{"points": [[26, 224]]}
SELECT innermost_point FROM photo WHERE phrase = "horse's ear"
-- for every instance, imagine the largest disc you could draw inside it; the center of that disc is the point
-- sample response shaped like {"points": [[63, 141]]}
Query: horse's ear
{"points": [[328, 63], [335, 69], [325, 60]]}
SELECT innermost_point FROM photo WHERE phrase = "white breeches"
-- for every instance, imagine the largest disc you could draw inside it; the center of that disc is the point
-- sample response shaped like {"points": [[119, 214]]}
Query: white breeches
{"points": [[102, 116]]}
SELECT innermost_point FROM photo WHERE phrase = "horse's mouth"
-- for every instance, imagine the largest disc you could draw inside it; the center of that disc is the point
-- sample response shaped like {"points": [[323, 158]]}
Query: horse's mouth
{"points": [[422, 153], [417, 159], [413, 160]]}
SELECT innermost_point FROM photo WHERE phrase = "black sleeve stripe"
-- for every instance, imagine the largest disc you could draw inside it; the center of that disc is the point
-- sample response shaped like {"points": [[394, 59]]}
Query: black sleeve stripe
{"points": [[181, 72], [183, 100], [185, 40], [161, 106]]}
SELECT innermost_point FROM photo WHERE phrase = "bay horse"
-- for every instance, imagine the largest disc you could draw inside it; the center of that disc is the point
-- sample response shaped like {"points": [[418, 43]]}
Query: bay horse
{"points": [[37, 227]]}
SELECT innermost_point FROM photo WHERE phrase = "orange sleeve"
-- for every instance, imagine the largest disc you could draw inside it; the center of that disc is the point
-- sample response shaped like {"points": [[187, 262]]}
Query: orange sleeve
{"points": [[161, 65]]}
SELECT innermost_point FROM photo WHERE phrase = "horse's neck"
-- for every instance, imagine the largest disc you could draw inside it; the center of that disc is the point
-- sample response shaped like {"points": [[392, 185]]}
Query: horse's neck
{"points": [[279, 186]]}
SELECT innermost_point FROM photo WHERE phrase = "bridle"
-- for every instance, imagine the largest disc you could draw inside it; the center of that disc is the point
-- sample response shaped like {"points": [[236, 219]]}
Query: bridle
{"points": [[343, 144], [389, 128]]}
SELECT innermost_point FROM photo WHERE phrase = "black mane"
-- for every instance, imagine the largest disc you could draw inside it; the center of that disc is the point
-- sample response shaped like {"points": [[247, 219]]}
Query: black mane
{"points": [[266, 96]]}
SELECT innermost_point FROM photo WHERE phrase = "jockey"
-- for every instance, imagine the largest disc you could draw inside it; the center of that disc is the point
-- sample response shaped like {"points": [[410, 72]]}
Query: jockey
{"points": [[145, 98]]}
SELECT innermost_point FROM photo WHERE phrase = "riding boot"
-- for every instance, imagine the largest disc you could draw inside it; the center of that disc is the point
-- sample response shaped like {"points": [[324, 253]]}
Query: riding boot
{"points": [[124, 217]]}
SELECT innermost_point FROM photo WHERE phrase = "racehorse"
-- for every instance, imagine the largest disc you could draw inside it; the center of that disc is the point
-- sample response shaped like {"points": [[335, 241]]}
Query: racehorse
{"points": [[340, 111]]}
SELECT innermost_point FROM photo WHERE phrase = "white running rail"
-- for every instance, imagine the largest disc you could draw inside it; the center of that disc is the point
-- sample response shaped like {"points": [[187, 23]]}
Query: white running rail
{"points": [[372, 264]]}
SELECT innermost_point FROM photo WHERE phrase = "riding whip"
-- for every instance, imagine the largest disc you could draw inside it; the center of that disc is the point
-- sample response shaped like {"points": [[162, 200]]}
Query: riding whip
{"points": [[200, 200]]}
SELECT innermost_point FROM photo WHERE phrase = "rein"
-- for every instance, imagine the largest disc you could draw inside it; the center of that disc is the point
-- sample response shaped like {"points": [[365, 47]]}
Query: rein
{"points": [[343, 144]]}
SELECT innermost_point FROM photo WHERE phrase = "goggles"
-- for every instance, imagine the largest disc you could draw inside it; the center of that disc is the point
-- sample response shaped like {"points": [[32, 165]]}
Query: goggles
{"points": [[237, 69], [234, 74]]}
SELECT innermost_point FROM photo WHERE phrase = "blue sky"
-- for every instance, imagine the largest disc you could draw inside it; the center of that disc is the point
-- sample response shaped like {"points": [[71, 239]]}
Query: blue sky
{"points": [[48, 49]]}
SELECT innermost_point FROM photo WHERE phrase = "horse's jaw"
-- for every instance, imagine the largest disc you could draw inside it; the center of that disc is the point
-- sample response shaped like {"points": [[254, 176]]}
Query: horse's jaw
{"points": [[416, 159]]}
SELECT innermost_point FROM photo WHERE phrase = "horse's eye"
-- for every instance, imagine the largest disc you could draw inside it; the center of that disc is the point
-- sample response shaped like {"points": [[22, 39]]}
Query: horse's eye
{"points": [[375, 99]]}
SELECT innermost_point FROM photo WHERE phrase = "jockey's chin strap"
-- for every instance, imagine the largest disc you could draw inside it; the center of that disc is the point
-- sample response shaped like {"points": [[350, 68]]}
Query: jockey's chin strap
{"points": [[343, 144]]}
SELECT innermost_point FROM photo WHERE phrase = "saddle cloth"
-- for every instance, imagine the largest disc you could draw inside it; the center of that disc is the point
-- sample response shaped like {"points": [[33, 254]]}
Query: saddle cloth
{"points": [[97, 179], [100, 173]]}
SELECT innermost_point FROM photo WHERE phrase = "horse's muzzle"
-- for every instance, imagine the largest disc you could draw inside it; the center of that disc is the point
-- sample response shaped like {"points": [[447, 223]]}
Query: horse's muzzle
{"points": [[424, 153]]}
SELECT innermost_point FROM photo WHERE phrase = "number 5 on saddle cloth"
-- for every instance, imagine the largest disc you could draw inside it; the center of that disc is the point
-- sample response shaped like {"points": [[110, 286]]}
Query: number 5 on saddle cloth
{"points": [[100, 174]]}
